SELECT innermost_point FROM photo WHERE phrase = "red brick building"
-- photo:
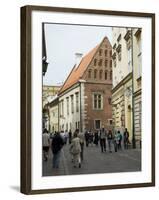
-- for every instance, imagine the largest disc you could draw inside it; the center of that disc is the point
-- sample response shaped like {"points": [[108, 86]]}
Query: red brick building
{"points": [[84, 97]]}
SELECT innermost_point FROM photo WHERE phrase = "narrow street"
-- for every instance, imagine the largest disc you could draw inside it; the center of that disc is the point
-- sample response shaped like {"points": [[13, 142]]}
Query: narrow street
{"points": [[95, 162]]}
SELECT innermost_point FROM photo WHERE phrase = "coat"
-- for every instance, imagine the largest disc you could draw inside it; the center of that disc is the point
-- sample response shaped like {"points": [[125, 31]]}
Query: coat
{"points": [[75, 147]]}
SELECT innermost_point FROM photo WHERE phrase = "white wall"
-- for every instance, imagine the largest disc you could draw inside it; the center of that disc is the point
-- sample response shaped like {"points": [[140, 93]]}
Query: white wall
{"points": [[74, 117], [10, 95]]}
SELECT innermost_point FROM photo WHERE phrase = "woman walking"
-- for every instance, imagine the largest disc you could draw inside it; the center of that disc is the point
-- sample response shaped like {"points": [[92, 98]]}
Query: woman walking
{"points": [[75, 149]]}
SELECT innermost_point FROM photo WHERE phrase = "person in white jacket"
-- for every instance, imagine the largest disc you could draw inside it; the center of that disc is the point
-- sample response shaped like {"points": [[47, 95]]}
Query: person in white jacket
{"points": [[75, 149]]}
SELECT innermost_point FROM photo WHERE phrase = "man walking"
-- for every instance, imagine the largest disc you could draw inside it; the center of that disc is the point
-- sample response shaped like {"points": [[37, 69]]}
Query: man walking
{"points": [[103, 140], [109, 138]]}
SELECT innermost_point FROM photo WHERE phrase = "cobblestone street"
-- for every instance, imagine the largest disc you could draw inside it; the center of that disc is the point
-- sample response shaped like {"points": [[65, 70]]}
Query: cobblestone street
{"points": [[95, 162]]}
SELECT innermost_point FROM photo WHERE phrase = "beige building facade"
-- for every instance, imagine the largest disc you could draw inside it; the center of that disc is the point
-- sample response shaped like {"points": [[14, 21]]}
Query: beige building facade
{"points": [[54, 115], [126, 92], [49, 92]]}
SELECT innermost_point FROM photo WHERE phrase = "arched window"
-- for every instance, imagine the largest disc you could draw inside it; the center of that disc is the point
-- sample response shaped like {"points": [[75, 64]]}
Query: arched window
{"points": [[111, 75], [100, 74], [95, 62], [106, 52], [89, 73], [100, 52], [95, 73], [110, 63], [106, 75], [106, 63], [100, 62]]}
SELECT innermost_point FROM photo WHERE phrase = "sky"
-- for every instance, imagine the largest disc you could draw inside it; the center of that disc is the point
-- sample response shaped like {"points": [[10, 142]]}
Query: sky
{"points": [[63, 41]]}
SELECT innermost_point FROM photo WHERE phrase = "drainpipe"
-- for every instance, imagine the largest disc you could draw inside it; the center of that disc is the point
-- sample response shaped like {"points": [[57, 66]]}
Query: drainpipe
{"points": [[133, 104], [81, 129], [81, 122]]}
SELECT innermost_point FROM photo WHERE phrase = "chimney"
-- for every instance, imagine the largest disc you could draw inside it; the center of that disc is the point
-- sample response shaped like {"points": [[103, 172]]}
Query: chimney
{"points": [[78, 58]]}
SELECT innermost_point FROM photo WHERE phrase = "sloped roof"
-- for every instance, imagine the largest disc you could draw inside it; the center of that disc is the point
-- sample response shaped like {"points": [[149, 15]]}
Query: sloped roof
{"points": [[78, 71]]}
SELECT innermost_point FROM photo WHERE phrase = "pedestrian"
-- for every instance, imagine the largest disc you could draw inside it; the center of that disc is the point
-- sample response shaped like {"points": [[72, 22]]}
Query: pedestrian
{"points": [[56, 146], [70, 136], [87, 138], [75, 150], [96, 138], [65, 136], [81, 137], [46, 144], [126, 138], [91, 137], [119, 139], [116, 141], [103, 140], [109, 138]]}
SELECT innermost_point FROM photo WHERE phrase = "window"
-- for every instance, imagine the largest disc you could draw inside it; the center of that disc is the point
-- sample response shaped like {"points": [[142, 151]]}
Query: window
{"points": [[100, 52], [67, 100], [77, 102], [89, 73], [129, 59], [111, 75], [97, 124], [72, 104], [97, 101], [139, 55], [95, 62], [66, 126], [106, 63], [62, 107], [139, 65], [110, 63], [106, 74], [119, 56], [106, 52], [100, 74], [95, 73], [100, 62], [76, 125], [115, 63]]}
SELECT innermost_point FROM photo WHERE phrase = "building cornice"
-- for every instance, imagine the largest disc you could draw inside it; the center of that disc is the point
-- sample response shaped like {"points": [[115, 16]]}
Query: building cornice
{"points": [[122, 82], [89, 82], [75, 85], [137, 93]]}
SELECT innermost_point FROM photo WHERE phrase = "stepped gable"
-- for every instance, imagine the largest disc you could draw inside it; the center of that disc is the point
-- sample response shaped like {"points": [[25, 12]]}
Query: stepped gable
{"points": [[78, 71]]}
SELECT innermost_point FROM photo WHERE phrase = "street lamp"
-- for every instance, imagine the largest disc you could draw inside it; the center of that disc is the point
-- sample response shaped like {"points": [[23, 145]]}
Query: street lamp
{"points": [[45, 65]]}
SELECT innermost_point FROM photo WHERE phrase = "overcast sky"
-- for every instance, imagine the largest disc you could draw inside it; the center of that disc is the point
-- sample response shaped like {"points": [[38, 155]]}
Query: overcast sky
{"points": [[63, 41]]}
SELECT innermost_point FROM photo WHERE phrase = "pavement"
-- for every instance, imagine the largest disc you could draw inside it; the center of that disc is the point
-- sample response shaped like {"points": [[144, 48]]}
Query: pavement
{"points": [[95, 162]]}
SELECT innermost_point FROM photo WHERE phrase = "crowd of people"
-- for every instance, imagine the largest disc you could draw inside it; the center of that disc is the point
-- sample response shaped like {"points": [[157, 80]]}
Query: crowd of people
{"points": [[77, 140]]}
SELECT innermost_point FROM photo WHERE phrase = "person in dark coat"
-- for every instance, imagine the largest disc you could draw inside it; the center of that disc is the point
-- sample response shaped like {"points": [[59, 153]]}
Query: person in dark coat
{"points": [[56, 146], [86, 138], [126, 138], [70, 136], [110, 138], [96, 138]]}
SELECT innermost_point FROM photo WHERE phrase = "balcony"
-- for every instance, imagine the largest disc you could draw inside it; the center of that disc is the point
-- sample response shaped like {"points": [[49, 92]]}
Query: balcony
{"points": [[114, 56], [138, 32], [118, 49], [127, 35]]}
